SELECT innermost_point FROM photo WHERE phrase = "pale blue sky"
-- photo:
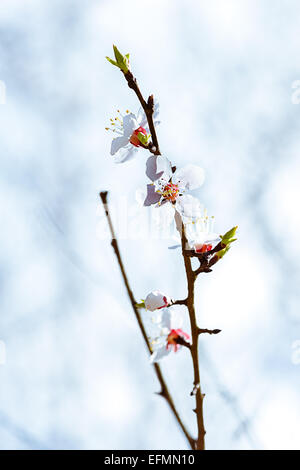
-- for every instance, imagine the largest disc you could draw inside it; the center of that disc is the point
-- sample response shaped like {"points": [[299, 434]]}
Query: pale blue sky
{"points": [[76, 372]]}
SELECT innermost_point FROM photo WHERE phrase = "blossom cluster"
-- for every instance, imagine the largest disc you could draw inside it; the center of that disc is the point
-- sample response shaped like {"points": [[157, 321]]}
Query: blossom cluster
{"points": [[168, 335], [169, 190]]}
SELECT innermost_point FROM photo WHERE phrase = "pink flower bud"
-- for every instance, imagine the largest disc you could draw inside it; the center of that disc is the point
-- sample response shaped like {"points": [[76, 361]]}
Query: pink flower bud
{"points": [[134, 140], [156, 300]]}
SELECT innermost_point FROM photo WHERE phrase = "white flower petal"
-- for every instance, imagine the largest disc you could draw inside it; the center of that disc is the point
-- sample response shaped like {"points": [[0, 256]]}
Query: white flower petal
{"points": [[151, 168], [210, 237], [125, 154], [141, 118], [188, 206], [130, 124], [190, 176], [156, 300], [204, 239], [160, 354], [171, 319], [176, 319], [157, 167], [156, 110], [166, 318], [164, 166], [117, 144], [195, 228], [152, 196]]}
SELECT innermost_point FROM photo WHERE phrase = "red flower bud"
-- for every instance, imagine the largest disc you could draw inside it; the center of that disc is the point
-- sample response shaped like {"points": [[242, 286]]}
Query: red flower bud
{"points": [[134, 140]]}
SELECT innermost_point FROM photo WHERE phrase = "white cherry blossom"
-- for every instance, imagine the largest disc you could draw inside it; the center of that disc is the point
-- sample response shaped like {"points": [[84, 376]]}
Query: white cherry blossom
{"points": [[131, 133], [169, 332], [199, 232], [168, 188]]}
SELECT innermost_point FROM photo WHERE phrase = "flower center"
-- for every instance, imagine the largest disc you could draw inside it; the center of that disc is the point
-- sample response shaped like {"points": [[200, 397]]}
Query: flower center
{"points": [[170, 192], [134, 139], [173, 336]]}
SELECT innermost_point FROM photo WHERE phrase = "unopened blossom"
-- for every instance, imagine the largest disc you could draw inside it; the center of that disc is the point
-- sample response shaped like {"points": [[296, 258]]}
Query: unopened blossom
{"points": [[170, 335], [156, 300], [131, 133], [169, 188]]}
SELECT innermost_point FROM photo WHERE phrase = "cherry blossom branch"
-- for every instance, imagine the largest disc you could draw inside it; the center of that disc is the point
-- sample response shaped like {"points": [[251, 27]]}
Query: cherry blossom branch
{"points": [[148, 107], [207, 260], [170, 193], [164, 388], [191, 278]]}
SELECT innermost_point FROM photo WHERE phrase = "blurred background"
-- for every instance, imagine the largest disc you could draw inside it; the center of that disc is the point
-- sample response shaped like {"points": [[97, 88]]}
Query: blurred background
{"points": [[76, 374]]}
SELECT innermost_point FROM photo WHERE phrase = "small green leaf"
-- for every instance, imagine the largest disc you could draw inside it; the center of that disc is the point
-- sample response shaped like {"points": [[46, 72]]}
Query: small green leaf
{"points": [[122, 61], [118, 55], [113, 62], [228, 238], [126, 61], [223, 252], [229, 235], [144, 139]]}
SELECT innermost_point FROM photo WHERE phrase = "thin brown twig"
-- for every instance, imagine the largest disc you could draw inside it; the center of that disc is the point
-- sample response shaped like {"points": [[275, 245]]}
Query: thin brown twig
{"points": [[179, 302], [148, 107], [209, 332], [202, 269], [207, 260], [191, 278], [164, 388]]}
